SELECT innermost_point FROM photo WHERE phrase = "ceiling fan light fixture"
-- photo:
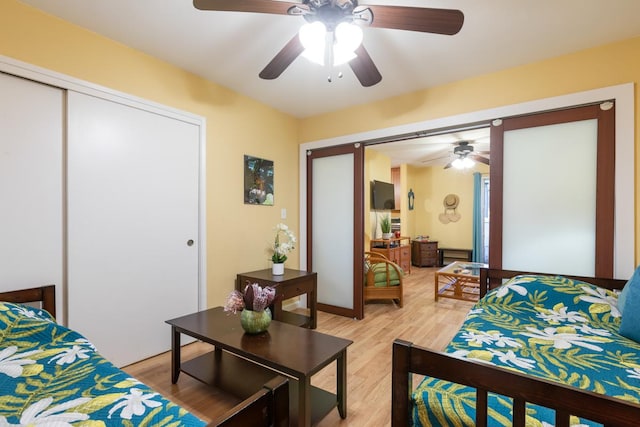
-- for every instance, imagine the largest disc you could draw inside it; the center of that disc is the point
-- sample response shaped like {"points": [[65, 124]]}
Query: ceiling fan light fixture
{"points": [[312, 36], [463, 163], [348, 37], [345, 39]]}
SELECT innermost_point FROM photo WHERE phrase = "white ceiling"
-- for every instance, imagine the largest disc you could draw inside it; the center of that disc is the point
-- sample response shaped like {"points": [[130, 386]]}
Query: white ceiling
{"points": [[231, 48]]}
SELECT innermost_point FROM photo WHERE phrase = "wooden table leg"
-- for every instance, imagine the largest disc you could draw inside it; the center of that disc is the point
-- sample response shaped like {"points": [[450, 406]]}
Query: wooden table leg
{"points": [[436, 285], [341, 386], [304, 402], [312, 303], [175, 355]]}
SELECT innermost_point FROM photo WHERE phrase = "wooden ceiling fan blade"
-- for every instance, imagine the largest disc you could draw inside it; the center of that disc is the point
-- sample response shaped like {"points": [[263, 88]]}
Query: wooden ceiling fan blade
{"points": [[479, 159], [364, 68], [258, 6], [283, 59], [423, 19]]}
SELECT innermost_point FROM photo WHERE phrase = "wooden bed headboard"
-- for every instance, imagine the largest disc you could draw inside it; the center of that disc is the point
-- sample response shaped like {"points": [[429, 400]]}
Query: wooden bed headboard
{"points": [[44, 294]]}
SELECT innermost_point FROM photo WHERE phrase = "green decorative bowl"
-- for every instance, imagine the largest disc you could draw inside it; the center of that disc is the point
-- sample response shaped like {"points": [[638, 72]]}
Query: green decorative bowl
{"points": [[255, 322]]}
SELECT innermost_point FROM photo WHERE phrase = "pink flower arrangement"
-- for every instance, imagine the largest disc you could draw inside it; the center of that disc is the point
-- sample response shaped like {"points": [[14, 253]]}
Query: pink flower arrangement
{"points": [[254, 297]]}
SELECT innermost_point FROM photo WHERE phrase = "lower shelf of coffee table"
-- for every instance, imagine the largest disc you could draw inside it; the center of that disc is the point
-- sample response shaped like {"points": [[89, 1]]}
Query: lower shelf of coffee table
{"points": [[295, 319], [242, 378]]}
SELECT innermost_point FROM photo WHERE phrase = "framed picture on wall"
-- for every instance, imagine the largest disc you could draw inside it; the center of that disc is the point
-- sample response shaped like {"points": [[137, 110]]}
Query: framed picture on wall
{"points": [[258, 181]]}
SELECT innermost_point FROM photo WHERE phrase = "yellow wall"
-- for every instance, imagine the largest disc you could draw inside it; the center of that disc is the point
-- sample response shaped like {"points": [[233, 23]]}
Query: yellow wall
{"points": [[238, 235], [603, 66], [376, 166], [430, 186]]}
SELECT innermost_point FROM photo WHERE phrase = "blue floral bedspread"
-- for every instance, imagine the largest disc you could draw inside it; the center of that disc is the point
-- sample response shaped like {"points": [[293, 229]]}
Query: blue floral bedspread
{"points": [[549, 327], [53, 376]]}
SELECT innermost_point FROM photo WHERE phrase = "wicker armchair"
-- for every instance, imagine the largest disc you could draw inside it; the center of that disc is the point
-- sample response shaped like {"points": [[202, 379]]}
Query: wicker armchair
{"points": [[382, 278]]}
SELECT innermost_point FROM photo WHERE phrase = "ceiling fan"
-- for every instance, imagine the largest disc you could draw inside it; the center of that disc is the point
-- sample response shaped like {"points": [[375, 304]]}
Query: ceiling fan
{"points": [[332, 13], [463, 151]]}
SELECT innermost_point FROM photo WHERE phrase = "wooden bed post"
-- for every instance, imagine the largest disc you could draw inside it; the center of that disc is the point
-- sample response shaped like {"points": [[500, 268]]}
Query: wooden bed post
{"points": [[401, 383]]}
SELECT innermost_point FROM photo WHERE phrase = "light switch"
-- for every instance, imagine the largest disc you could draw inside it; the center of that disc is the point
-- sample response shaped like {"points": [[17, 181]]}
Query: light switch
{"points": [[283, 213]]}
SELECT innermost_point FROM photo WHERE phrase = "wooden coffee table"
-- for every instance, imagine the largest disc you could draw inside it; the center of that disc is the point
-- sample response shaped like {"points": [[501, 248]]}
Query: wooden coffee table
{"points": [[241, 363], [459, 280]]}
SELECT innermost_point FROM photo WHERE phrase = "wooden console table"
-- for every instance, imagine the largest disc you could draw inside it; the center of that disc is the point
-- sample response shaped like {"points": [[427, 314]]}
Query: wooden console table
{"points": [[291, 284]]}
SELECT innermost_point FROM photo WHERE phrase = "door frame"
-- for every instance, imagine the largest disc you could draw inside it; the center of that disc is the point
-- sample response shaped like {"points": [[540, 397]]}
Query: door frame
{"points": [[623, 95]]}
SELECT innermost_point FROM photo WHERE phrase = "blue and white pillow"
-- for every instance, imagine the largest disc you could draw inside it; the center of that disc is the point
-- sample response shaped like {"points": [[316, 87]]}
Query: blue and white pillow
{"points": [[629, 306]]}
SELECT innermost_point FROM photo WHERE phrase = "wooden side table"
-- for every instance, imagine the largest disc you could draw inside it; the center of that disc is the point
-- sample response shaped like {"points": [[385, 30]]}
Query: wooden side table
{"points": [[291, 284]]}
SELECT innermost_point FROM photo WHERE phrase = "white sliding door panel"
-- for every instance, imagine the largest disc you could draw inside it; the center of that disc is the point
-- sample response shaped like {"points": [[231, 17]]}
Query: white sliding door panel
{"points": [[333, 210], [31, 182], [549, 201], [132, 210]]}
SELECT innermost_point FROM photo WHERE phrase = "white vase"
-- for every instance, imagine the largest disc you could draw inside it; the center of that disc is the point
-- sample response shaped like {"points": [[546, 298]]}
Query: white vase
{"points": [[387, 236], [277, 269]]}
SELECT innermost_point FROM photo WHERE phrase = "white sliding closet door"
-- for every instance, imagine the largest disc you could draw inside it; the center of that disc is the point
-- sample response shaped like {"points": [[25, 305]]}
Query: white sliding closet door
{"points": [[31, 180], [133, 225]]}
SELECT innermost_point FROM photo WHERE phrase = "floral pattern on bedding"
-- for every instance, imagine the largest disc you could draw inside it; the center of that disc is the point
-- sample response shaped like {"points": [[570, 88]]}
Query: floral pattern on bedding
{"points": [[53, 376], [555, 328]]}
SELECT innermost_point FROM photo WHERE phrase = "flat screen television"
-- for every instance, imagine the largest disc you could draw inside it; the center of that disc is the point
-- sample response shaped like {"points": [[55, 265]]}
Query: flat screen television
{"points": [[382, 197]]}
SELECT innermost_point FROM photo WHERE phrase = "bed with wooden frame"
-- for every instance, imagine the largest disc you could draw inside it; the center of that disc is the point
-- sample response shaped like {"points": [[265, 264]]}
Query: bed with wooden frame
{"points": [[485, 382], [27, 401]]}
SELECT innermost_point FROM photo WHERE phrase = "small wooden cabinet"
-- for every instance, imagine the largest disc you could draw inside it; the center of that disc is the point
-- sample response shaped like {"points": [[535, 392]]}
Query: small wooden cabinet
{"points": [[396, 249], [424, 253]]}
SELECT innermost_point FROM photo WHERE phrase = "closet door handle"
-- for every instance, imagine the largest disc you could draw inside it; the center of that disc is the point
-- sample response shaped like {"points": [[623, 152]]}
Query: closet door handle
{"points": [[190, 242]]}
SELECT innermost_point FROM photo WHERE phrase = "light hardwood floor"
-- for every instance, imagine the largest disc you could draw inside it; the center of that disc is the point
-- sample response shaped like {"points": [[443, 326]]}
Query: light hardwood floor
{"points": [[421, 320]]}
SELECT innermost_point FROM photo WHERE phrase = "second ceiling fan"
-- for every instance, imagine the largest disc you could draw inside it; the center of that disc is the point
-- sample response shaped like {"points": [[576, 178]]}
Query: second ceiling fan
{"points": [[331, 14], [463, 151]]}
